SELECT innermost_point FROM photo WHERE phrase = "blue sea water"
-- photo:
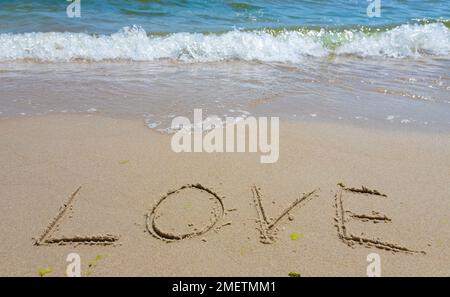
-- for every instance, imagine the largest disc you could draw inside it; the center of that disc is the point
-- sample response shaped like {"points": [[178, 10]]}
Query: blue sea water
{"points": [[108, 16], [307, 59], [275, 30]]}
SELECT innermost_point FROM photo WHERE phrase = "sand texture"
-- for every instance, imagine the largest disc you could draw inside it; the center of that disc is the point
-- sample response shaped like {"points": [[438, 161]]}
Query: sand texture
{"points": [[114, 192]]}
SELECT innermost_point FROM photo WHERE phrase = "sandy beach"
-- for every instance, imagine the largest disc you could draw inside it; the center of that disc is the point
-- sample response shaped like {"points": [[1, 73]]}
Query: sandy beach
{"points": [[113, 191]]}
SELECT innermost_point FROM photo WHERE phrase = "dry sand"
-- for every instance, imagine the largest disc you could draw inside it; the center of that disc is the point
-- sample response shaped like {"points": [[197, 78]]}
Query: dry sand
{"points": [[124, 169]]}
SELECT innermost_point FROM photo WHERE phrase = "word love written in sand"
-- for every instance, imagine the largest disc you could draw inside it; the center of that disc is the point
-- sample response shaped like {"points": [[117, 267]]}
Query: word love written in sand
{"points": [[163, 221]]}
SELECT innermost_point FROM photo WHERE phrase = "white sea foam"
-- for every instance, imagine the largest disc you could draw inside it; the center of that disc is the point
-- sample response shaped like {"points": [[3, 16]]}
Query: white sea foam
{"points": [[134, 44], [403, 41], [288, 46]]}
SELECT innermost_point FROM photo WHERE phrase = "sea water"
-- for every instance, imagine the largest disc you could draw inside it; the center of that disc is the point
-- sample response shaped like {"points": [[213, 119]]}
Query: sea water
{"points": [[306, 60]]}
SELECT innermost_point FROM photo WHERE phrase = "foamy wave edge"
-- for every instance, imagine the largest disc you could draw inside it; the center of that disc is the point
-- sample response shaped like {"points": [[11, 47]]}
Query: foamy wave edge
{"points": [[133, 43]]}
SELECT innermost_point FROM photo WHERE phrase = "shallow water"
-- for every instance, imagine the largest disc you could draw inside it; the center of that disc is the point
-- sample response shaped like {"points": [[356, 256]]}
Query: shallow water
{"points": [[362, 92]]}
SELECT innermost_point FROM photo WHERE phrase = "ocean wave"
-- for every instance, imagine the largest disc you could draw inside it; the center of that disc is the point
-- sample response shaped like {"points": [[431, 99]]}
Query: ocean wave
{"points": [[403, 41], [291, 46]]}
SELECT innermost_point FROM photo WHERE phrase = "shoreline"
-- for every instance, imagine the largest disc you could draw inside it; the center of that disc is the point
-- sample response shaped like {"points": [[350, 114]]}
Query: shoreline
{"points": [[376, 127], [403, 94], [124, 169]]}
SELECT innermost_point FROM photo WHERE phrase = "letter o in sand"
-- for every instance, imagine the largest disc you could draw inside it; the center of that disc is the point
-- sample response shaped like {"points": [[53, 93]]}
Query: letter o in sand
{"points": [[190, 211]]}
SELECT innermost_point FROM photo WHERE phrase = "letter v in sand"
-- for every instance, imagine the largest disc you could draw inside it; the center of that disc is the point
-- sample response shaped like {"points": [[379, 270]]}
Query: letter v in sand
{"points": [[268, 228]]}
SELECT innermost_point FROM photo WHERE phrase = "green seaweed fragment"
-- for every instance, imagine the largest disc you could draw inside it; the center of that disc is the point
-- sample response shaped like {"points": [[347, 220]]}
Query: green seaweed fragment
{"points": [[43, 271], [295, 236], [92, 264]]}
